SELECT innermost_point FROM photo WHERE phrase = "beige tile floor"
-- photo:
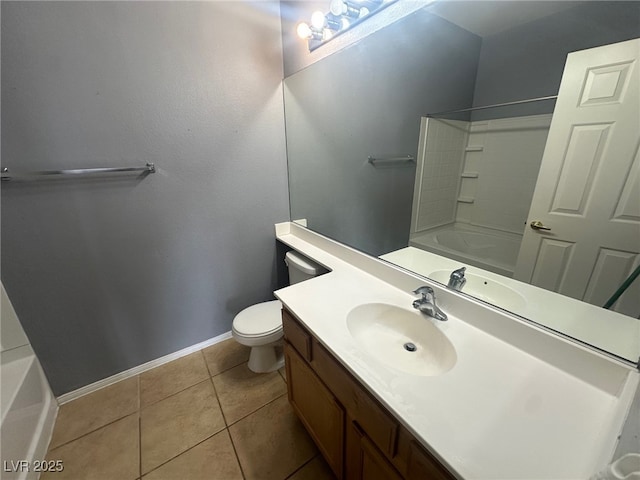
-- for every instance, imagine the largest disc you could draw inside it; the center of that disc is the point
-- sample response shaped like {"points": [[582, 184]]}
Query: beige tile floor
{"points": [[203, 416]]}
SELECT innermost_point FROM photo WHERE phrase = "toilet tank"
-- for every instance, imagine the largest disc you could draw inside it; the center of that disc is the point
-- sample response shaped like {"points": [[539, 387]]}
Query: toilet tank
{"points": [[301, 268]]}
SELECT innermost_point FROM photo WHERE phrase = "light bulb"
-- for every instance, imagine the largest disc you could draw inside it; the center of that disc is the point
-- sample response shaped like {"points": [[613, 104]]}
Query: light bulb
{"points": [[317, 20], [337, 7], [303, 30], [345, 23], [363, 12], [326, 34]]}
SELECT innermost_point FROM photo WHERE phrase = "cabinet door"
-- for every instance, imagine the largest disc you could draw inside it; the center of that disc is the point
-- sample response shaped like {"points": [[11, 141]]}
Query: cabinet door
{"points": [[374, 419], [364, 460], [317, 408]]}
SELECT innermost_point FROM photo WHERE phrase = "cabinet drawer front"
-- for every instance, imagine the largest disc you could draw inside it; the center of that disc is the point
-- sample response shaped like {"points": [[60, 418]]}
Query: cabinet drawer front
{"points": [[296, 335], [379, 426]]}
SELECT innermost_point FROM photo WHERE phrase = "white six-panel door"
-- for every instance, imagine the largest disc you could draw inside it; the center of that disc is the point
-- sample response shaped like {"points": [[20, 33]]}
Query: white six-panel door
{"points": [[588, 189]]}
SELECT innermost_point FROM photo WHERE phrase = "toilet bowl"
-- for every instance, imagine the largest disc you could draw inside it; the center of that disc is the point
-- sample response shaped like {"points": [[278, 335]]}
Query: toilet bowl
{"points": [[260, 326]]}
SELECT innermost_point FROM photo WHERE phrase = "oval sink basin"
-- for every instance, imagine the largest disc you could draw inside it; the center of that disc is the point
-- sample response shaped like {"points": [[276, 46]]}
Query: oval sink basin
{"points": [[485, 289], [390, 333]]}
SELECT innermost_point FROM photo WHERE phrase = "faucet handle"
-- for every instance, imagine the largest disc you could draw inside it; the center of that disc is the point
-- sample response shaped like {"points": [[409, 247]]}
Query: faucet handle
{"points": [[424, 291], [459, 273], [457, 279]]}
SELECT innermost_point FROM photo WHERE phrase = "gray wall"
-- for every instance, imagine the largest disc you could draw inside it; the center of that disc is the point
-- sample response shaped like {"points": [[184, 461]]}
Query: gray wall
{"points": [[106, 274], [527, 61], [368, 100]]}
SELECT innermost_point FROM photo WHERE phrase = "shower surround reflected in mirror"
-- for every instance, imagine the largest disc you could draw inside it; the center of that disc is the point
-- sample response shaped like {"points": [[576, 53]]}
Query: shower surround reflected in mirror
{"points": [[481, 170], [475, 183]]}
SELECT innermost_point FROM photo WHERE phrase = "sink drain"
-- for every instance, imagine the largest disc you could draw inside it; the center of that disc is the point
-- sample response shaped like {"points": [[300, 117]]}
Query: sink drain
{"points": [[410, 347]]}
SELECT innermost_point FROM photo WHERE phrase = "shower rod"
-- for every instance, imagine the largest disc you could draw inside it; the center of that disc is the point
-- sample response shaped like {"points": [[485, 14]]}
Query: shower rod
{"points": [[6, 176], [484, 107]]}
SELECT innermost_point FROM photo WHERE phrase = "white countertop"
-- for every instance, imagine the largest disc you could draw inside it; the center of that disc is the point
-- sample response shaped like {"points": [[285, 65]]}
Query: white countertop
{"points": [[607, 330], [519, 402]]}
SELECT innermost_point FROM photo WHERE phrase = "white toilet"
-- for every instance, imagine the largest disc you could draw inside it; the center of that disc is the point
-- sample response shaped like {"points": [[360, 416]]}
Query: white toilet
{"points": [[260, 326]]}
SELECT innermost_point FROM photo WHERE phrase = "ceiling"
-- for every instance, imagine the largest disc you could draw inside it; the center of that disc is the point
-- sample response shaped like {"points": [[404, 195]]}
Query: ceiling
{"points": [[485, 18]]}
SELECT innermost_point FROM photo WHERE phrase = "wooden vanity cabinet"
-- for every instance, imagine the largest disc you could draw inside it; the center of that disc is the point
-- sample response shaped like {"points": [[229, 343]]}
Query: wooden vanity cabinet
{"points": [[317, 408], [357, 436], [365, 460]]}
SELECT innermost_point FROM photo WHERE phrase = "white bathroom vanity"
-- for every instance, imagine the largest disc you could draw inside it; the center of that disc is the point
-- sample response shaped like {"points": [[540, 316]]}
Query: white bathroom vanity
{"points": [[498, 397]]}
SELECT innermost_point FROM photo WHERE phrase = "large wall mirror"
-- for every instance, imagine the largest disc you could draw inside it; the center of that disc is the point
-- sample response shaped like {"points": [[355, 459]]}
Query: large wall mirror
{"points": [[376, 162]]}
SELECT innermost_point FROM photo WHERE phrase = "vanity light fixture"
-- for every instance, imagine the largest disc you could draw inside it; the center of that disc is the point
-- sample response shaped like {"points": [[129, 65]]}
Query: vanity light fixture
{"points": [[340, 7], [342, 15]]}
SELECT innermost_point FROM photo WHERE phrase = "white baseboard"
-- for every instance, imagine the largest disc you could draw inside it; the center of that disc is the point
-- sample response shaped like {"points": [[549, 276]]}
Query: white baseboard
{"points": [[67, 397]]}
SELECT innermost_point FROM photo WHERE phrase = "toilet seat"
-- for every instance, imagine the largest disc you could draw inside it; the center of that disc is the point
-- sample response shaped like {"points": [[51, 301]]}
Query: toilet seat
{"points": [[258, 324]]}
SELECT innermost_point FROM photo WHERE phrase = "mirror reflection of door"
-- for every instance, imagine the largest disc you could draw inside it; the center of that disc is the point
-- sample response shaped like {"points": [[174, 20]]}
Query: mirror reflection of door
{"points": [[588, 189]]}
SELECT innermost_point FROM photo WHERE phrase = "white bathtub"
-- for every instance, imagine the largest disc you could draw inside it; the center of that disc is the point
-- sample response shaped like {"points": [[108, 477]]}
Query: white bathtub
{"points": [[27, 404], [485, 248]]}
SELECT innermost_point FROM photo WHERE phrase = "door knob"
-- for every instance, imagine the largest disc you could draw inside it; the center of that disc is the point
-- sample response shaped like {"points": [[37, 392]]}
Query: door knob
{"points": [[538, 225]]}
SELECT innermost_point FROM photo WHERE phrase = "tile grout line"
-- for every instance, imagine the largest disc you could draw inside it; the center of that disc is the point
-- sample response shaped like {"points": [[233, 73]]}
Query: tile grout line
{"points": [[207, 368], [221, 371], [201, 441], [228, 428], [254, 412], [139, 447], [206, 364], [233, 445], [143, 407], [235, 451], [186, 388], [215, 392], [302, 466], [140, 408], [95, 430], [183, 452], [258, 409], [227, 369]]}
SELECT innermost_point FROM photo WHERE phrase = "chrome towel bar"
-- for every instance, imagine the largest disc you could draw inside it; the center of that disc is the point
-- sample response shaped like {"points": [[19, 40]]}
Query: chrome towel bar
{"points": [[387, 161], [6, 176]]}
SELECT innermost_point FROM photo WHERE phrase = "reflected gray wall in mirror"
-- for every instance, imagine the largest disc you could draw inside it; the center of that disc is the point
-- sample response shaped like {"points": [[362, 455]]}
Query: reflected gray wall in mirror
{"points": [[364, 101], [368, 99], [527, 61]]}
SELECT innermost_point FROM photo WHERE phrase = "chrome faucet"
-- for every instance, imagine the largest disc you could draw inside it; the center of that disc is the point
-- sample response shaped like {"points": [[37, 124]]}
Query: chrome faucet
{"points": [[427, 303], [457, 280]]}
